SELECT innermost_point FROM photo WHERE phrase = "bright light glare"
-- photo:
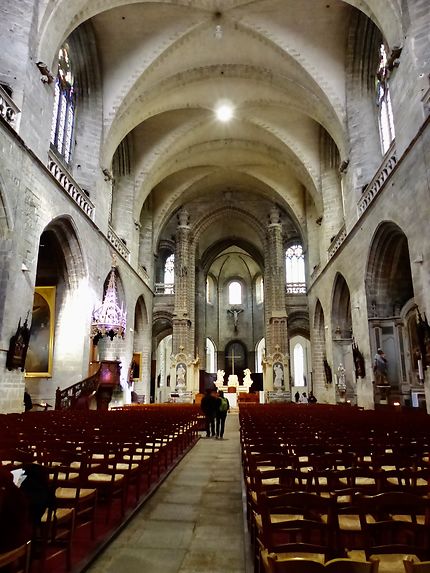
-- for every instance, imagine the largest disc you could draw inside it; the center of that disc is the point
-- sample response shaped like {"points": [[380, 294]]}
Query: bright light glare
{"points": [[224, 112]]}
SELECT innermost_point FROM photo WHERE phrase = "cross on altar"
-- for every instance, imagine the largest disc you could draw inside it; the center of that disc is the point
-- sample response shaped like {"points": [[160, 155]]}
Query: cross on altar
{"points": [[232, 359]]}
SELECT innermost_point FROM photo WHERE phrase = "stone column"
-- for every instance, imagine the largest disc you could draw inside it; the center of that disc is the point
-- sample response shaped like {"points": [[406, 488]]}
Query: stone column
{"points": [[275, 301], [181, 315], [276, 314]]}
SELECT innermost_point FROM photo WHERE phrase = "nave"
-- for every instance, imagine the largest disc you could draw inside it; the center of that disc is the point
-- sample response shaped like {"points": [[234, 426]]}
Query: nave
{"points": [[194, 522]]}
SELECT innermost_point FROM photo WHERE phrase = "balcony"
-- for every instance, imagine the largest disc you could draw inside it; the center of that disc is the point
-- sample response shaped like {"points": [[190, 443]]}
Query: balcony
{"points": [[379, 179], [8, 108], [59, 171], [164, 288], [118, 244]]}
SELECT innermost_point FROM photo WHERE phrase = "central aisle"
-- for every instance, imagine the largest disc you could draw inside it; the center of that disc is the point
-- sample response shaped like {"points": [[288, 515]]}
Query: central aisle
{"points": [[194, 522]]}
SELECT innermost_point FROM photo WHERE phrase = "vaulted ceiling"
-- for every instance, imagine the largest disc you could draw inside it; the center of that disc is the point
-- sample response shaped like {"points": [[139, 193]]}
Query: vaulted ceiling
{"points": [[166, 66]]}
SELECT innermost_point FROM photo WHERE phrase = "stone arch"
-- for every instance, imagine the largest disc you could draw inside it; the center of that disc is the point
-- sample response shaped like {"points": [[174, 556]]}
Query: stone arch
{"points": [[321, 375], [142, 344], [298, 324], [342, 334], [61, 265], [362, 51], [389, 283], [341, 308]]}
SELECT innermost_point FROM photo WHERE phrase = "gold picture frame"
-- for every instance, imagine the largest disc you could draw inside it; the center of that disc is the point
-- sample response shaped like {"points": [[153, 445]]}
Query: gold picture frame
{"points": [[38, 363]]}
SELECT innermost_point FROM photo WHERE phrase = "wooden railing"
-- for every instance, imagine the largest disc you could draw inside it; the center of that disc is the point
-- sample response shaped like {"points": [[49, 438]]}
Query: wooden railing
{"points": [[100, 384]]}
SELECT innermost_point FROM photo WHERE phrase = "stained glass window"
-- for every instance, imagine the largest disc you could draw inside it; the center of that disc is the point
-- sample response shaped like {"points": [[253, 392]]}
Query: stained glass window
{"points": [[63, 118], [295, 269], [383, 101]]}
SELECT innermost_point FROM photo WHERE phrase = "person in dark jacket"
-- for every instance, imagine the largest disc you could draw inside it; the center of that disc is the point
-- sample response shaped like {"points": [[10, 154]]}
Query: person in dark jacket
{"points": [[15, 524], [209, 407], [223, 406]]}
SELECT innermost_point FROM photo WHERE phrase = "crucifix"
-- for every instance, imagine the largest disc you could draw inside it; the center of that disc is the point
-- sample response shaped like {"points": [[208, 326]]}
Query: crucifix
{"points": [[235, 312], [232, 359]]}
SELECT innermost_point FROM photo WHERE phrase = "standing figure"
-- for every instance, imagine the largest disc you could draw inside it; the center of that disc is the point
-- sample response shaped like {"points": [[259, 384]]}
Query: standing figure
{"points": [[380, 368], [247, 380], [209, 408], [311, 398], [303, 398], [279, 376], [223, 406], [28, 402], [180, 376]]}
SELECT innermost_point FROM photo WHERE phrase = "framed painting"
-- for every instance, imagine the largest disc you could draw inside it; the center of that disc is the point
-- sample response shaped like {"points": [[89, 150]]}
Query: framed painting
{"points": [[137, 365], [38, 363]]}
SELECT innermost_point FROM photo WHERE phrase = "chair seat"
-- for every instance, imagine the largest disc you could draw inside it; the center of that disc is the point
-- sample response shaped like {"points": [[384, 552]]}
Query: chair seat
{"points": [[59, 513], [388, 562], [105, 478], [124, 467], [70, 492]]}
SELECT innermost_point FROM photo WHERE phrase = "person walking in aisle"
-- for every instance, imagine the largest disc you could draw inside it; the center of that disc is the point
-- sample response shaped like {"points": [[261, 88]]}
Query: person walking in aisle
{"points": [[223, 406], [209, 408]]}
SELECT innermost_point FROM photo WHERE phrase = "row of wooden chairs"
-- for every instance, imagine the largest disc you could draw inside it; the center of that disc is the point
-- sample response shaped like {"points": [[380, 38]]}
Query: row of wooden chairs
{"points": [[92, 462], [326, 498]]}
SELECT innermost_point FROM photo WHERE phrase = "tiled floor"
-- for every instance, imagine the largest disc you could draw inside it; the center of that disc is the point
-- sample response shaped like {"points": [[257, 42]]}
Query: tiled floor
{"points": [[194, 522]]}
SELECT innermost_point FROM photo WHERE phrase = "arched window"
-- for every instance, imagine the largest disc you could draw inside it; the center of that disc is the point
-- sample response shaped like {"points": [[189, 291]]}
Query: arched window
{"points": [[63, 118], [383, 101], [211, 365], [259, 290], [169, 274], [295, 270], [235, 293], [299, 365]]}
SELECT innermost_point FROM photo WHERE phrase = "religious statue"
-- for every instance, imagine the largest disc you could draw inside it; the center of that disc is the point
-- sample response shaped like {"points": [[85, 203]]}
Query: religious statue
{"points": [[380, 368], [341, 382], [279, 376], [180, 376], [247, 380], [235, 312], [219, 382]]}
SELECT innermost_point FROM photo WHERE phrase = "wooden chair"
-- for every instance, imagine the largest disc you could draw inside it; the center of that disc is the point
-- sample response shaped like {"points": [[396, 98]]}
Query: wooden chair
{"points": [[296, 522], [69, 484], [17, 560], [107, 478], [272, 564], [54, 535], [396, 530], [412, 566]]}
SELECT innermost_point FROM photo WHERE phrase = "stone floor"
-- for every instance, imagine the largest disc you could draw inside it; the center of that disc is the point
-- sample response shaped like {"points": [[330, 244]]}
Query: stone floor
{"points": [[194, 523]]}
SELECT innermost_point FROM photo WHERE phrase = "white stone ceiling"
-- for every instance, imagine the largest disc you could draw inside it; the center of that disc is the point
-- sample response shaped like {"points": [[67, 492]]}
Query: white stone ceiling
{"points": [[281, 63]]}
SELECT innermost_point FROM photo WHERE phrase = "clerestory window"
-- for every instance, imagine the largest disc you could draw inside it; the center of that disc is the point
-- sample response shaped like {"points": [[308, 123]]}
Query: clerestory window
{"points": [[295, 269], [235, 293], [383, 101], [63, 118]]}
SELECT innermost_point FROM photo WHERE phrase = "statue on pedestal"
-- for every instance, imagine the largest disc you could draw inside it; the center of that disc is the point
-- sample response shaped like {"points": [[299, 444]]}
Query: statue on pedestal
{"points": [[247, 381], [278, 371], [219, 382]]}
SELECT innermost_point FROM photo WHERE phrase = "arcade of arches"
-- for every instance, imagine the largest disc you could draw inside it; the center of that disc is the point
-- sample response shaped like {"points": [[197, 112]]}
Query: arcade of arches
{"points": [[287, 233]]}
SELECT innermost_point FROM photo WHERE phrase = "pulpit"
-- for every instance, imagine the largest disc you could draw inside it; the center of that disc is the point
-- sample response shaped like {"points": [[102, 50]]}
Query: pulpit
{"points": [[101, 384], [108, 378]]}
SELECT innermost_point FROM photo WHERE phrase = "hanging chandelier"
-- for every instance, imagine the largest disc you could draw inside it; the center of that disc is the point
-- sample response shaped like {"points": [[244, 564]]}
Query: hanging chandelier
{"points": [[111, 318]]}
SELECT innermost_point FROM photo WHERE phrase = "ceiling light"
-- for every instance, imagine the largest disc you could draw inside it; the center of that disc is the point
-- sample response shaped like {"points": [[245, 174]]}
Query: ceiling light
{"points": [[224, 112]]}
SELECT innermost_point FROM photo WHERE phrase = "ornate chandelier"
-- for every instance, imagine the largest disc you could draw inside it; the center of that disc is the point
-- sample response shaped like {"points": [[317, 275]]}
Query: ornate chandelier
{"points": [[111, 318]]}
